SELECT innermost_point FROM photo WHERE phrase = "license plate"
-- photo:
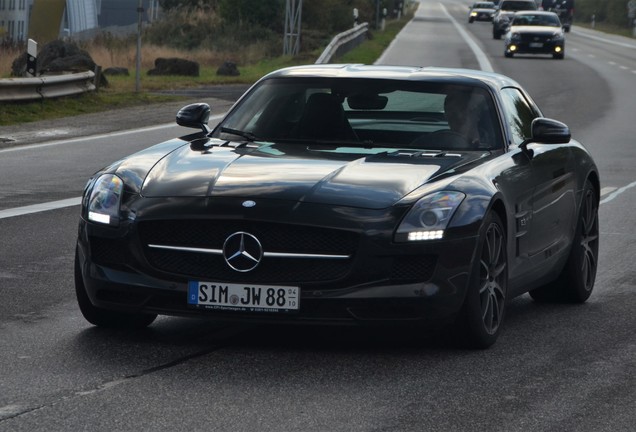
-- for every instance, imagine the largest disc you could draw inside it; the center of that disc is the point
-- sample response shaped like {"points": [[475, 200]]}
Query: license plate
{"points": [[536, 45], [246, 298]]}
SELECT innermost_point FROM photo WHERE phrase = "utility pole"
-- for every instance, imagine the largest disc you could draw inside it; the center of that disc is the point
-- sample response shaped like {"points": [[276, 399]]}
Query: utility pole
{"points": [[293, 14], [140, 11]]}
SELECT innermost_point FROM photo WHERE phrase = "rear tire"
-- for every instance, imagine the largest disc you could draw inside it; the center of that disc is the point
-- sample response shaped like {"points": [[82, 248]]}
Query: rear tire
{"points": [[102, 317], [576, 281], [484, 307]]}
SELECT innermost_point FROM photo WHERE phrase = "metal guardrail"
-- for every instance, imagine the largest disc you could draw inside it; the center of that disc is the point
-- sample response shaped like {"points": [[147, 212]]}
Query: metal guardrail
{"points": [[46, 86], [52, 86], [343, 42]]}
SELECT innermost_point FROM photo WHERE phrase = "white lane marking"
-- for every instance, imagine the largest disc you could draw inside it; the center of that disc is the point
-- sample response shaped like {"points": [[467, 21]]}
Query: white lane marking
{"points": [[616, 193], [607, 189], [37, 208], [612, 193], [97, 137], [601, 39], [482, 58]]}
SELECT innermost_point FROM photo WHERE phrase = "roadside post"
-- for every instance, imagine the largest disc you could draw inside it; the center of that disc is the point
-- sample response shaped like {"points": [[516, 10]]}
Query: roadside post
{"points": [[140, 11], [384, 12], [631, 13], [32, 58], [355, 17]]}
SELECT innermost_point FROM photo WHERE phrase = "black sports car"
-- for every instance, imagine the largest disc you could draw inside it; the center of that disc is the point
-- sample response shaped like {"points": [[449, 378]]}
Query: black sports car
{"points": [[504, 13], [346, 194], [535, 32]]}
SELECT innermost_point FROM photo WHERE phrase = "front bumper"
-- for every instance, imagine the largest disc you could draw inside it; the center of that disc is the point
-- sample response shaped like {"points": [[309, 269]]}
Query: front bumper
{"points": [[525, 47], [382, 281]]}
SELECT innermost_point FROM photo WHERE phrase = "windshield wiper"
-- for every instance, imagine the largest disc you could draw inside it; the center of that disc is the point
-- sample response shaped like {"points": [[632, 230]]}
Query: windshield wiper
{"points": [[247, 135], [326, 142]]}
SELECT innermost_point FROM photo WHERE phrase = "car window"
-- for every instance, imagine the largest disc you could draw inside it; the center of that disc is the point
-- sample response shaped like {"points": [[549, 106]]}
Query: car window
{"points": [[516, 5], [536, 20], [519, 114], [375, 112]]}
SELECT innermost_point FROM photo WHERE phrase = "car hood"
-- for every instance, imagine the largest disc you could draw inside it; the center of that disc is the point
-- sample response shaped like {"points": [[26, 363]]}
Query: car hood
{"points": [[538, 30], [368, 178]]}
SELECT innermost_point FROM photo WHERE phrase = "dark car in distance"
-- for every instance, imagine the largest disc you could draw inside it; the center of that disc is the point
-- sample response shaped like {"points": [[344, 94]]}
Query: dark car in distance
{"points": [[535, 32], [505, 11], [563, 8], [348, 195], [481, 11]]}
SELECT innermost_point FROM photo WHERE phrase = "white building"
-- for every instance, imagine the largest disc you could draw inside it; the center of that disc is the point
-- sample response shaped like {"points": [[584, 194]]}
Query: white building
{"points": [[14, 19], [79, 15]]}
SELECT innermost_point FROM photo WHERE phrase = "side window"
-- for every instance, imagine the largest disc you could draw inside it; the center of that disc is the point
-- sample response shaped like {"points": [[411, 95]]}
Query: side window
{"points": [[519, 114]]}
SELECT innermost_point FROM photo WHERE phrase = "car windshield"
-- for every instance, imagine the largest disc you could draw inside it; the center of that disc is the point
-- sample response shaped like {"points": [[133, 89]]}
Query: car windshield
{"points": [[536, 20], [486, 5], [518, 5], [366, 113]]}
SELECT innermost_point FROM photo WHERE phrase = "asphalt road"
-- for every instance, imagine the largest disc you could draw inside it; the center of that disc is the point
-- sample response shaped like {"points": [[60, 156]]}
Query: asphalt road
{"points": [[555, 367]]}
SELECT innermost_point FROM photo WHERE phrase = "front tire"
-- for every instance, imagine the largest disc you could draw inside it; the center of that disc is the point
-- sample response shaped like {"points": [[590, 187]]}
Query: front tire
{"points": [[102, 317], [576, 281], [484, 308]]}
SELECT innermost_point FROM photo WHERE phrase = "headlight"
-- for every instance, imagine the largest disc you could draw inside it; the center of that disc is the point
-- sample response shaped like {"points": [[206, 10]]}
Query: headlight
{"points": [[105, 199], [429, 217], [474, 14], [557, 36]]}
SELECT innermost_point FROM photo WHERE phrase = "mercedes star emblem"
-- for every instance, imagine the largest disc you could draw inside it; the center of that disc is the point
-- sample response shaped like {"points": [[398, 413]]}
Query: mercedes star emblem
{"points": [[242, 251]]}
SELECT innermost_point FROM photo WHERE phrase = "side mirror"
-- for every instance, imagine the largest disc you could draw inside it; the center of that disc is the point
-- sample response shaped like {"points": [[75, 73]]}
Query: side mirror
{"points": [[549, 131], [195, 116]]}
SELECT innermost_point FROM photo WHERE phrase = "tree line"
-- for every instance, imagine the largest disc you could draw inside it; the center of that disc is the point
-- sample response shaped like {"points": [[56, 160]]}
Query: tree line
{"points": [[613, 12], [233, 24]]}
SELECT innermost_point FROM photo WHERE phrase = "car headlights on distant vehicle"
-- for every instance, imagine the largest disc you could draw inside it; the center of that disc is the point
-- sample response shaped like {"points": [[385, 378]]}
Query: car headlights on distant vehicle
{"points": [[350, 195], [481, 11], [535, 32], [504, 13]]}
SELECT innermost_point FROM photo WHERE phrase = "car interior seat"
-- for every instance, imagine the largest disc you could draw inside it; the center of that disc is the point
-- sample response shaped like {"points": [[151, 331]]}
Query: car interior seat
{"points": [[324, 118]]}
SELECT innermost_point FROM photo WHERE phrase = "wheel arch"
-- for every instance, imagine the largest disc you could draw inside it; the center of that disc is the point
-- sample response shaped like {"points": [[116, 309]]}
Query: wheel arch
{"points": [[499, 207], [594, 178]]}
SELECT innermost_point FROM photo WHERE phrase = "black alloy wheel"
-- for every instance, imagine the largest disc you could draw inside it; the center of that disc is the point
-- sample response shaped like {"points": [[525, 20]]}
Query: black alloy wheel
{"points": [[484, 307]]}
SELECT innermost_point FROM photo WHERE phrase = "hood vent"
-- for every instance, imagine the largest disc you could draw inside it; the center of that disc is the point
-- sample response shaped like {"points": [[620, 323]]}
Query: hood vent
{"points": [[423, 153]]}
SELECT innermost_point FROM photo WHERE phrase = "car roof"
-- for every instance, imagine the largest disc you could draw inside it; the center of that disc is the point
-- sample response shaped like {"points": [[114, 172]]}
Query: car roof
{"points": [[408, 73], [535, 12]]}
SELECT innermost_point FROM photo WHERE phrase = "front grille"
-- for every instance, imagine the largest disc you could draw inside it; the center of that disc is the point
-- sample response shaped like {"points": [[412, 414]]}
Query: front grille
{"points": [[273, 237], [270, 270], [413, 268], [528, 38], [110, 252]]}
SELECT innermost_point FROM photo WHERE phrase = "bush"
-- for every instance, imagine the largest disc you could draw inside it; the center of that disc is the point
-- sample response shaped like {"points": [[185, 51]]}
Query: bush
{"points": [[612, 12]]}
